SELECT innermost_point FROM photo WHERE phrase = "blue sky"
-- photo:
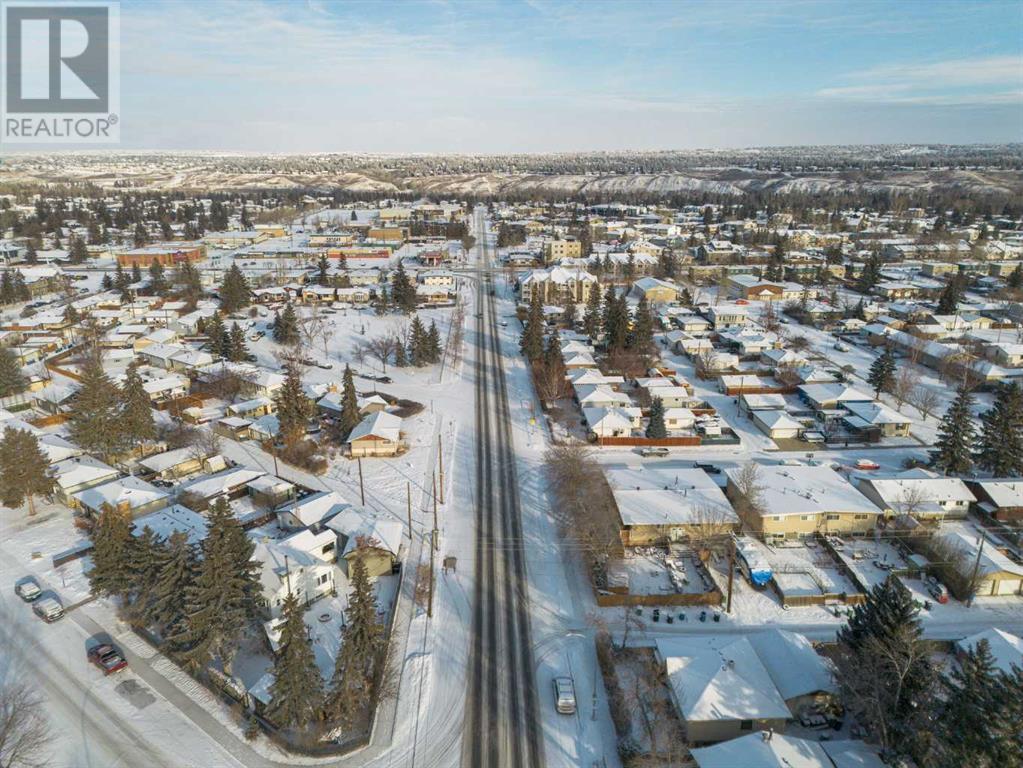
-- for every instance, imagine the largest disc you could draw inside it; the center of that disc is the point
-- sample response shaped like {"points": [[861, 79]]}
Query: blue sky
{"points": [[539, 75]]}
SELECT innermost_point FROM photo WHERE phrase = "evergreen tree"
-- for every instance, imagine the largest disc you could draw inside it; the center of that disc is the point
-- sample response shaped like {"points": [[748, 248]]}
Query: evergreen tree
{"points": [[136, 273], [685, 297], [1001, 434], [143, 564], [236, 350], [217, 334], [871, 274], [356, 666], [141, 236], [350, 416], [969, 727], [592, 316], [78, 254], [400, 355], [294, 409], [188, 282], [94, 423], [224, 596], [12, 381], [568, 316], [655, 427], [121, 278], [950, 297], [1015, 280], [286, 326], [417, 351], [176, 569], [21, 290], [7, 288], [882, 372], [297, 690], [953, 454], [323, 270], [432, 345], [71, 316], [382, 301], [157, 279], [531, 341], [403, 291], [234, 291], [111, 554], [107, 283], [641, 337], [616, 320], [136, 423], [23, 469], [882, 664]]}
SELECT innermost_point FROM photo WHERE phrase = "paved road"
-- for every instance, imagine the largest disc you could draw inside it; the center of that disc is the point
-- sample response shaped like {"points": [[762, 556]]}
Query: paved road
{"points": [[502, 724]]}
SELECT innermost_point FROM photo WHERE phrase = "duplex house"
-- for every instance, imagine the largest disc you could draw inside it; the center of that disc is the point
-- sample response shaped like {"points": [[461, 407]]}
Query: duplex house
{"points": [[919, 493], [800, 501]]}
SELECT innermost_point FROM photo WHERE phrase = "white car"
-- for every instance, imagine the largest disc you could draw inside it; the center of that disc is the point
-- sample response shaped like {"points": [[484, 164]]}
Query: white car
{"points": [[28, 590], [48, 609], [564, 695]]}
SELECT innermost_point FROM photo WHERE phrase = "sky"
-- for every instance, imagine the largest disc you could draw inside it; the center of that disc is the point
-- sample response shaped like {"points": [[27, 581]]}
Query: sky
{"points": [[542, 76]]}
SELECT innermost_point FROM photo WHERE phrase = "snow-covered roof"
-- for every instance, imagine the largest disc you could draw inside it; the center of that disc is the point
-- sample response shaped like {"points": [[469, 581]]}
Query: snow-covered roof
{"points": [[804, 489], [161, 462], [361, 527], [222, 482], [172, 519], [316, 507], [1003, 493], [382, 425], [990, 562], [776, 419], [720, 678], [794, 666], [875, 413], [760, 750], [126, 490], [683, 496], [919, 485], [1005, 647], [79, 470]]}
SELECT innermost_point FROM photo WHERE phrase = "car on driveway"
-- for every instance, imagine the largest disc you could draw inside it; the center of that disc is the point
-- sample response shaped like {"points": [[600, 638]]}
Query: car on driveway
{"points": [[28, 589], [564, 695], [867, 464], [107, 658]]}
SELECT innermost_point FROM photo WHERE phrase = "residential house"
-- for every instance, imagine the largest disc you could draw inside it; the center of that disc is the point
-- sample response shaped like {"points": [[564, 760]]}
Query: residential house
{"points": [[378, 434], [919, 493], [375, 541], [129, 495], [800, 501], [1000, 498], [79, 473]]}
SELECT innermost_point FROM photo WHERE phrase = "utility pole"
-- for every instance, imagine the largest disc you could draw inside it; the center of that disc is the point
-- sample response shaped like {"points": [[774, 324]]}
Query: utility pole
{"points": [[434, 542], [976, 569], [408, 487], [440, 465], [731, 572], [429, 603], [362, 489]]}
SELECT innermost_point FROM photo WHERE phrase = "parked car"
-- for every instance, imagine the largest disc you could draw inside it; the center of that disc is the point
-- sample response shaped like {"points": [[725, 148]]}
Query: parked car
{"points": [[654, 451], [325, 366], [28, 590], [841, 347], [867, 464], [564, 695], [710, 469], [48, 609], [107, 658], [937, 590]]}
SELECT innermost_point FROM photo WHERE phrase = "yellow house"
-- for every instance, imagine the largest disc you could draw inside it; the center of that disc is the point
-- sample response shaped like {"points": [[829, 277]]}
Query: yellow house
{"points": [[793, 502]]}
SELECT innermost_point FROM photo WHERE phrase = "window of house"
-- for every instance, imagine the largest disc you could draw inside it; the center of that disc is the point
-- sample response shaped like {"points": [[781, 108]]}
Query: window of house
{"points": [[323, 579], [804, 517], [777, 518], [745, 725], [833, 517], [861, 517]]}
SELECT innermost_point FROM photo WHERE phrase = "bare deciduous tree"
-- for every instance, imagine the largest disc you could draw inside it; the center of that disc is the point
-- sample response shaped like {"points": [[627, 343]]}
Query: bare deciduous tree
{"points": [[903, 386], [749, 501], [24, 730], [925, 400]]}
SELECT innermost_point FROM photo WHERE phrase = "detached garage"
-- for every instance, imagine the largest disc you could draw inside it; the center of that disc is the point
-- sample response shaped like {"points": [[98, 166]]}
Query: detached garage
{"points": [[997, 574], [777, 424]]}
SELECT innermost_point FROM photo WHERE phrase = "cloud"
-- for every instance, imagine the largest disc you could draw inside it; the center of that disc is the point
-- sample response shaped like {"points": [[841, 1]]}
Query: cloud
{"points": [[985, 80]]}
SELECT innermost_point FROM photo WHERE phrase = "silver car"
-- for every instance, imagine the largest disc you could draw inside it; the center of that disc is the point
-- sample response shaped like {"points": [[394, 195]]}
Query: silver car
{"points": [[564, 695]]}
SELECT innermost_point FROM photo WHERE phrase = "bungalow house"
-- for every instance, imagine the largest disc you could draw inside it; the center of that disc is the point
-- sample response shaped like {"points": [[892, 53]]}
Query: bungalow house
{"points": [[373, 540], [600, 396], [1005, 647], [378, 434], [827, 397], [780, 358], [800, 501], [657, 506], [180, 462], [875, 417], [683, 342], [128, 495], [777, 424], [671, 396], [920, 493], [777, 750], [612, 422], [77, 474], [253, 408], [720, 687], [356, 294], [231, 484], [1000, 498]]}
